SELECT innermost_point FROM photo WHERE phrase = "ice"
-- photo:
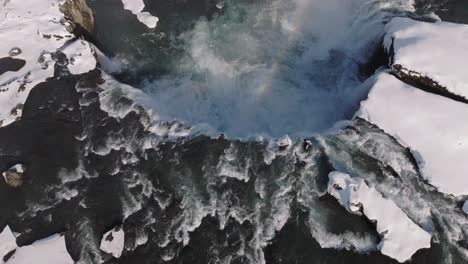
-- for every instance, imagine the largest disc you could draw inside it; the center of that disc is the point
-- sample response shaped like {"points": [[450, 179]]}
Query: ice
{"points": [[401, 237], [45, 251], [432, 126], [136, 7], [435, 50], [113, 242], [465, 207], [7, 242]]}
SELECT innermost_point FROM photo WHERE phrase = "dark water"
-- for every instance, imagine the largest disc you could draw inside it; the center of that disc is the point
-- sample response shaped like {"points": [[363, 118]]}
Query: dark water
{"points": [[448, 10]]}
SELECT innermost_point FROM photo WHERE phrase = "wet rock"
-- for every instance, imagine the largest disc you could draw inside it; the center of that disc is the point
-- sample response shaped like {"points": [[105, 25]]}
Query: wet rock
{"points": [[14, 175], [78, 13]]}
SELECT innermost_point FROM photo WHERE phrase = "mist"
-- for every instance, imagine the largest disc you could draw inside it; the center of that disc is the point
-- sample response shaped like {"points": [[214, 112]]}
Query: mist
{"points": [[273, 67]]}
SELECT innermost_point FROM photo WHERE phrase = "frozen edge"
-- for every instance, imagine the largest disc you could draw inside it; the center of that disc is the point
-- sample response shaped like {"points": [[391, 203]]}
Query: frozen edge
{"points": [[401, 237]]}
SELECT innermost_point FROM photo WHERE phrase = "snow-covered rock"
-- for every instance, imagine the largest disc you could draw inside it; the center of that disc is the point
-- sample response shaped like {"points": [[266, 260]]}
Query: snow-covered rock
{"points": [[113, 242], [136, 7], [401, 237], [432, 126], [7, 242], [34, 31], [45, 251], [437, 51], [80, 57]]}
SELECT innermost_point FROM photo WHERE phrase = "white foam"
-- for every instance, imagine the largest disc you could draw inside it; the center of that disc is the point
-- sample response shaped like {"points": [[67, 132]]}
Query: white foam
{"points": [[80, 56], [289, 67], [401, 237], [114, 91]]}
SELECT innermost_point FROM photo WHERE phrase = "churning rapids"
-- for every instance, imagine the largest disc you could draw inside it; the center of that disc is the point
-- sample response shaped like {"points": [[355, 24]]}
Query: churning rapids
{"points": [[96, 162], [269, 67]]}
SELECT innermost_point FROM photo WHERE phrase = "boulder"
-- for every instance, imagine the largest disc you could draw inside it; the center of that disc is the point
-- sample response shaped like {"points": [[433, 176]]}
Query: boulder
{"points": [[80, 16]]}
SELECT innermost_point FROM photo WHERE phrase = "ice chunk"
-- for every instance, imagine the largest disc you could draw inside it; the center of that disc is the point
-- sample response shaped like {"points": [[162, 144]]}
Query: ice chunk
{"points": [[113, 242], [401, 237], [465, 207], [136, 7], [432, 126]]}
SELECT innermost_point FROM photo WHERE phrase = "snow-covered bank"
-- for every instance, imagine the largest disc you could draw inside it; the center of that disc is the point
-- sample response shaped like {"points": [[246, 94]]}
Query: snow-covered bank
{"points": [[7, 242], [437, 51], [34, 31], [136, 7], [401, 237], [44, 251], [432, 126]]}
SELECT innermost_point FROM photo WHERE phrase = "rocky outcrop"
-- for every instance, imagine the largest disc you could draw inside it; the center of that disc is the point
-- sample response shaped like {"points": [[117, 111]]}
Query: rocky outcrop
{"points": [[440, 71], [80, 16], [424, 83], [14, 175]]}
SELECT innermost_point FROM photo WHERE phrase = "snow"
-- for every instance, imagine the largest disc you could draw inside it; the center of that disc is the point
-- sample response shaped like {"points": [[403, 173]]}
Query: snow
{"points": [[432, 126], [45, 251], [465, 207], [401, 237], [113, 242], [136, 7], [80, 55], [34, 29], [7, 242], [435, 50]]}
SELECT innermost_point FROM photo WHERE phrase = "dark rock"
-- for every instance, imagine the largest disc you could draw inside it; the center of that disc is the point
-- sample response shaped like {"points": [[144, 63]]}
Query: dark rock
{"points": [[9, 255], [80, 16], [11, 64]]}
